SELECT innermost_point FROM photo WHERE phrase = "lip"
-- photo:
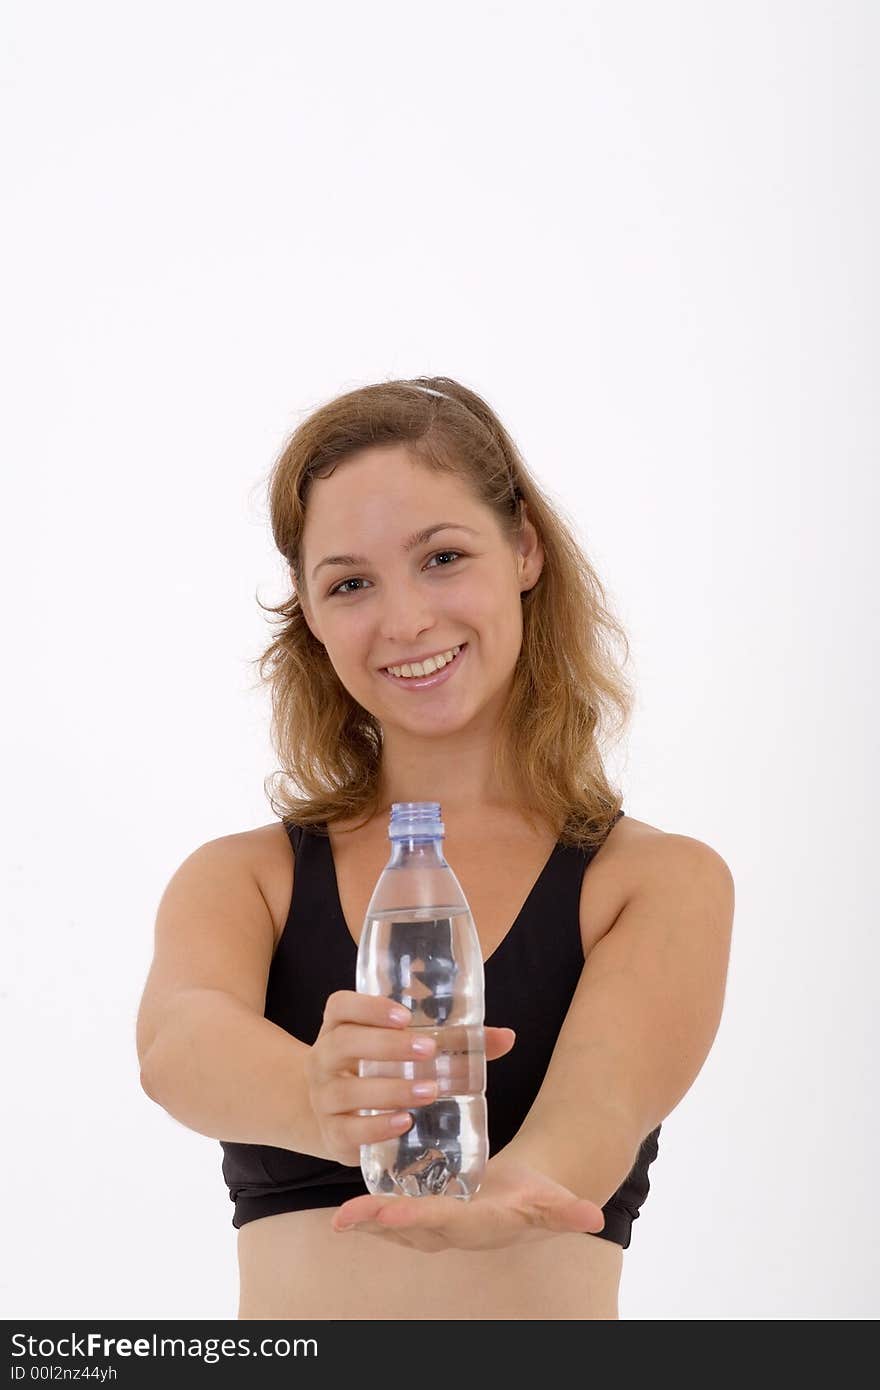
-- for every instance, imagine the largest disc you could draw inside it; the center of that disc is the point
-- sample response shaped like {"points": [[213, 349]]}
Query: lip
{"points": [[436, 678]]}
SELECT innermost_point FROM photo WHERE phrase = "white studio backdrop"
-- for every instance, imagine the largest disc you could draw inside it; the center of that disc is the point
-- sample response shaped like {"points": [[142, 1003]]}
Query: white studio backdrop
{"points": [[644, 232]]}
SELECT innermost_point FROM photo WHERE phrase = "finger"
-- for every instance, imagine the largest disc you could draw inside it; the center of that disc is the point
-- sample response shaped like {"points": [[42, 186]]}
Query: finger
{"points": [[350, 1043], [344, 1094], [358, 1209], [385, 1050], [443, 1223], [394, 1212], [351, 1006], [350, 1132], [402, 1213], [578, 1215], [499, 1041], [402, 1220]]}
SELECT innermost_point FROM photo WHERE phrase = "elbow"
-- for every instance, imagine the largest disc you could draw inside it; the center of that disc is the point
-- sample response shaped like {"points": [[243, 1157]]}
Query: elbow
{"points": [[156, 1045], [151, 1081], [148, 1080]]}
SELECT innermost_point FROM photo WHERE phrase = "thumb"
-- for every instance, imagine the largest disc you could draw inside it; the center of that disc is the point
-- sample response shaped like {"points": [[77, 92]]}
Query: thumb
{"points": [[580, 1214], [499, 1041]]}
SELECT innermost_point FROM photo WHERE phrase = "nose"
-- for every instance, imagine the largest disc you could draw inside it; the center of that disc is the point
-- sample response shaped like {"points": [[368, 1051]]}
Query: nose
{"points": [[406, 619]]}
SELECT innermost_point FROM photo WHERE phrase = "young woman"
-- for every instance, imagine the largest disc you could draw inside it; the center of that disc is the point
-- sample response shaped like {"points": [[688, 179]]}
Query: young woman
{"points": [[445, 640]]}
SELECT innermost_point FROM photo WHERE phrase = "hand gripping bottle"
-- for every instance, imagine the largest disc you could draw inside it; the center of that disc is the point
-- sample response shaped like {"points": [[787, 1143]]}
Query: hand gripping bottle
{"points": [[419, 946]]}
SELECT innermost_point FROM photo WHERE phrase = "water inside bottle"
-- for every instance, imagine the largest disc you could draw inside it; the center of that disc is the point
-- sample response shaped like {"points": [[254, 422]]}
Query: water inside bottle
{"points": [[420, 961]]}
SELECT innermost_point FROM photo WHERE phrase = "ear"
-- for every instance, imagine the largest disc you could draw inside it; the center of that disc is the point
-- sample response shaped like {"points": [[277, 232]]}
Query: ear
{"points": [[530, 552]]}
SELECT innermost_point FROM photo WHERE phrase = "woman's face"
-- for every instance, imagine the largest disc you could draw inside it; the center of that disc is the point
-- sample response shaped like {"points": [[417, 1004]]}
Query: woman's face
{"points": [[460, 586]]}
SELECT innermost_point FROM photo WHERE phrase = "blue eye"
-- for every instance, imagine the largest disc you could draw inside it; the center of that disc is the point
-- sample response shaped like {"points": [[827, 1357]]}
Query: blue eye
{"points": [[340, 587]]}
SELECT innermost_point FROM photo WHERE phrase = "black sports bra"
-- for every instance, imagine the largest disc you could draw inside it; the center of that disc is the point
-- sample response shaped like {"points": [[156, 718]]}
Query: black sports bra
{"points": [[529, 982]]}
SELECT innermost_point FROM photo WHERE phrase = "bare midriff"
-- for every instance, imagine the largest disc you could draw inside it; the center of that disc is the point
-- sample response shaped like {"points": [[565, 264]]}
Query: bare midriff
{"points": [[294, 1265]]}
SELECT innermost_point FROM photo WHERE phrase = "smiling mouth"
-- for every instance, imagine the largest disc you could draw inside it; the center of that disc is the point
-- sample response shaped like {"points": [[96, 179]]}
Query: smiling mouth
{"points": [[436, 677], [425, 675]]}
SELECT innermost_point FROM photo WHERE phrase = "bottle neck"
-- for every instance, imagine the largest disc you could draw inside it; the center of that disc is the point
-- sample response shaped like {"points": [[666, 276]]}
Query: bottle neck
{"points": [[417, 849]]}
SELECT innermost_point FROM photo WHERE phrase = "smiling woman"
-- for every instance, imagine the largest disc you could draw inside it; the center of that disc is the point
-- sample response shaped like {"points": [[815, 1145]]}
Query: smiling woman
{"points": [[483, 677], [381, 446]]}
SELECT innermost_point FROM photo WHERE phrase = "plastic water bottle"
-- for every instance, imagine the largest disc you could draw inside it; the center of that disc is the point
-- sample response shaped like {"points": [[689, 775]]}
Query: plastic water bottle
{"points": [[419, 947]]}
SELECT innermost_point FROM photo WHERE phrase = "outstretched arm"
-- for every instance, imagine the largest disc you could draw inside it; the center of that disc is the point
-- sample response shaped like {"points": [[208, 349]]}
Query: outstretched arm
{"points": [[641, 1023]]}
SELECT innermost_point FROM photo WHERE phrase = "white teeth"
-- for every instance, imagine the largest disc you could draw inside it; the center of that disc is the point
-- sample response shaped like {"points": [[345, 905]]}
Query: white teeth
{"points": [[425, 668]]}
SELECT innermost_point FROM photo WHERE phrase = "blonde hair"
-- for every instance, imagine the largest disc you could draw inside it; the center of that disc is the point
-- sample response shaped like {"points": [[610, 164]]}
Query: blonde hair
{"points": [[568, 691]]}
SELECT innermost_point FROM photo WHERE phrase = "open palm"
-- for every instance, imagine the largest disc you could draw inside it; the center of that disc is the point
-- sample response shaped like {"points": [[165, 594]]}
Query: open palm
{"points": [[515, 1204]]}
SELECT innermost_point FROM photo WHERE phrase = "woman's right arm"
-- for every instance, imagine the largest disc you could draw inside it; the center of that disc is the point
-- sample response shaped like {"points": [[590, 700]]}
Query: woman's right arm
{"points": [[207, 1055]]}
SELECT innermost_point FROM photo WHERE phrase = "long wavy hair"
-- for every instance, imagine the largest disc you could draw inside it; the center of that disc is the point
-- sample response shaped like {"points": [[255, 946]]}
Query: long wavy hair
{"points": [[569, 693]]}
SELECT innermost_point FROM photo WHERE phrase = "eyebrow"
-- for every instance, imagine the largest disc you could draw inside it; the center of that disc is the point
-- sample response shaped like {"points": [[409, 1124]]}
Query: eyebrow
{"points": [[418, 538]]}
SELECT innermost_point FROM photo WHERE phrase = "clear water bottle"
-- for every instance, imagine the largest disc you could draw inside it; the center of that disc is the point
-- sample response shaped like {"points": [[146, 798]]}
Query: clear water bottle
{"points": [[419, 947]]}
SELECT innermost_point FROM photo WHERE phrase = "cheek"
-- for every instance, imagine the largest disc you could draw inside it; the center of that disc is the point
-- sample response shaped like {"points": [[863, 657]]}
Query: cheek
{"points": [[347, 628], [493, 613]]}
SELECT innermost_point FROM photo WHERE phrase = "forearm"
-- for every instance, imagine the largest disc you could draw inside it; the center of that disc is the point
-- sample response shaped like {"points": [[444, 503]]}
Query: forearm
{"points": [[590, 1146], [223, 1071]]}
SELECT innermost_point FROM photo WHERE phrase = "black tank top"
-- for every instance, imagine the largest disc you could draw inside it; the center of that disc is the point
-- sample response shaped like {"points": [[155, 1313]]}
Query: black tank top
{"points": [[529, 983]]}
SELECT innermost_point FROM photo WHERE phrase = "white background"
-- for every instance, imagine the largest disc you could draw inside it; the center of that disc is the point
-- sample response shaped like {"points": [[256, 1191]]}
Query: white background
{"points": [[642, 231]]}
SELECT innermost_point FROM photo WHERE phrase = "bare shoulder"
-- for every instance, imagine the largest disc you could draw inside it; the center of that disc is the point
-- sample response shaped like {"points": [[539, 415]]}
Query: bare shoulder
{"points": [[638, 858], [269, 853], [644, 848], [683, 855], [265, 852]]}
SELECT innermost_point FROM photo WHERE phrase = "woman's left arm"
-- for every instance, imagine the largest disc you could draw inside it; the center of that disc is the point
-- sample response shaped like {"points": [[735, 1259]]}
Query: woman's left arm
{"points": [[639, 1028]]}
